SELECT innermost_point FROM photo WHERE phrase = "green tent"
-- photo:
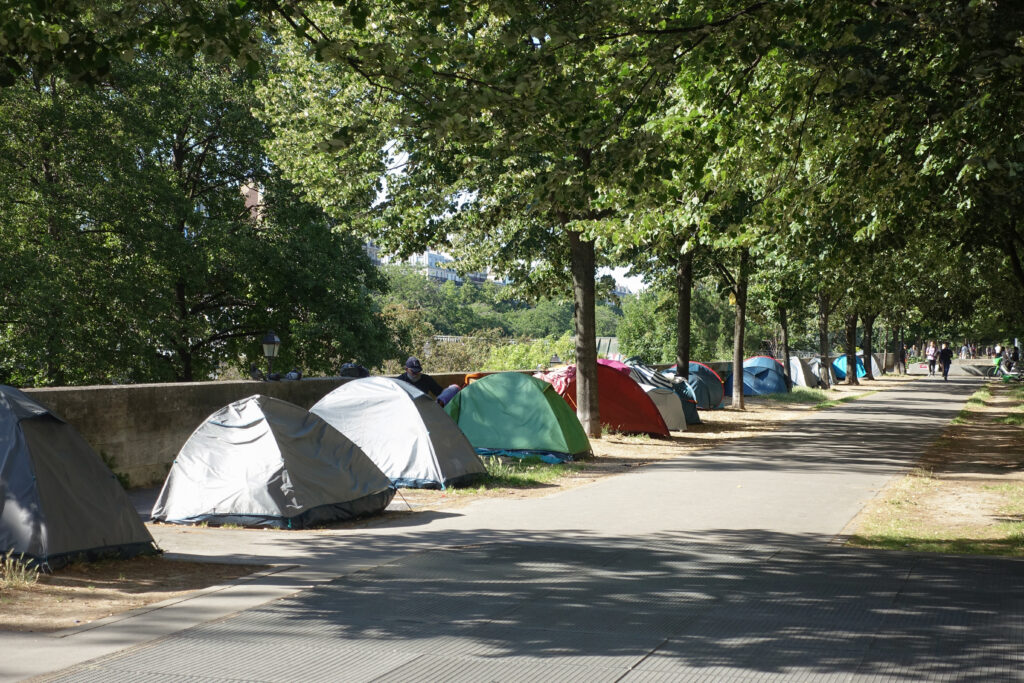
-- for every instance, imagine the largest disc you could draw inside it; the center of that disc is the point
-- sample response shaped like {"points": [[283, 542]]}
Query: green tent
{"points": [[517, 414]]}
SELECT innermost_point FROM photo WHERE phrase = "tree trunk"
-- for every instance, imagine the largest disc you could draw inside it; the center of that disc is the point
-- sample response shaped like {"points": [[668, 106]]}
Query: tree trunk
{"points": [[684, 291], [184, 373], [869, 323], [784, 324], [897, 348], [739, 330], [823, 349], [583, 271], [851, 349]]}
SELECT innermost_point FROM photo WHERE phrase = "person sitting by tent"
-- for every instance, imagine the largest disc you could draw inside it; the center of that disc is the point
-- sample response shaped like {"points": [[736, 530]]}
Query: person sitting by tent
{"points": [[415, 376]]}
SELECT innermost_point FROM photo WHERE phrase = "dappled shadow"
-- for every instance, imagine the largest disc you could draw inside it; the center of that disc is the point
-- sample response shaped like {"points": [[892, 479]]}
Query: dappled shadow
{"points": [[727, 604]]}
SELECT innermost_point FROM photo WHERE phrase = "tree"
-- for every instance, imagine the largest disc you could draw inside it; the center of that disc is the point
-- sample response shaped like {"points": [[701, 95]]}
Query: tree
{"points": [[145, 231]]}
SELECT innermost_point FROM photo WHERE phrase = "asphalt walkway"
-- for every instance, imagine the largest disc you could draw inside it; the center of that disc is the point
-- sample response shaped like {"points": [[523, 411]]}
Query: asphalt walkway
{"points": [[722, 565]]}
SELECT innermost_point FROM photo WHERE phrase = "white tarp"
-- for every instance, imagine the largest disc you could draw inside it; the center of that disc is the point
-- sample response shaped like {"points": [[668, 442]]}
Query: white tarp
{"points": [[403, 431], [266, 462], [669, 405]]}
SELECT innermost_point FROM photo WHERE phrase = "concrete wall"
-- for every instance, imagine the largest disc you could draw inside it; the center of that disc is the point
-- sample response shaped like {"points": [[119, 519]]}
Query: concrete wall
{"points": [[139, 428]]}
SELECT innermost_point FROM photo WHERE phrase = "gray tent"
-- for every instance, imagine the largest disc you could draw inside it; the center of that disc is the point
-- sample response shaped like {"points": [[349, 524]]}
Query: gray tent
{"points": [[669, 405], [403, 431], [266, 462], [825, 373], [802, 373], [58, 501]]}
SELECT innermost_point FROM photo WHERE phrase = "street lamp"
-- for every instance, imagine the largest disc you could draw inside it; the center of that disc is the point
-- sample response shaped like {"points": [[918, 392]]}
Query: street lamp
{"points": [[271, 345]]}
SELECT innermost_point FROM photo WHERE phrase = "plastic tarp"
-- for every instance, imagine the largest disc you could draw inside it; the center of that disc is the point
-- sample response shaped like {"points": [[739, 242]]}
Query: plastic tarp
{"points": [[623, 405], [514, 413], [266, 462], [645, 374], [406, 434], [761, 375], [58, 500], [668, 404]]}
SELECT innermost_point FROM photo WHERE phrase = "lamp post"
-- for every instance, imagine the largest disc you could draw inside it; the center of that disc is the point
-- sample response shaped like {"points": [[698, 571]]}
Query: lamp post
{"points": [[271, 345]]}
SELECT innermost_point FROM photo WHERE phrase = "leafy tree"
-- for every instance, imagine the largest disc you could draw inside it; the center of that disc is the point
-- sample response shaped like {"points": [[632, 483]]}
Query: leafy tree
{"points": [[138, 259]]}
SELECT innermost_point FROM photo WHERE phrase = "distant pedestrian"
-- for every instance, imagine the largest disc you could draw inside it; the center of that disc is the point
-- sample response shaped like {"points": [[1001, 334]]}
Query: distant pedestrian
{"points": [[901, 362], [963, 352], [946, 358], [931, 354]]}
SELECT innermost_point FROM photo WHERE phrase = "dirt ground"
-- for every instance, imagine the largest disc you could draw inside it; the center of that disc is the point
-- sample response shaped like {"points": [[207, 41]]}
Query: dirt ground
{"points": [[80, 594], [967, 494]]}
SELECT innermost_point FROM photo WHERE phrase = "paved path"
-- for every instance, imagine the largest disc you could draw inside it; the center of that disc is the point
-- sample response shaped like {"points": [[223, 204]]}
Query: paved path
{"points": [[715, 566]]}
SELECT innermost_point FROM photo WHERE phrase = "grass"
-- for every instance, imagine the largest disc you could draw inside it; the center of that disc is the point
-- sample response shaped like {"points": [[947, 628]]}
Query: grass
{"points": [[799, 395], [1012, 419], [980, 397], [526, 473], [15, 572]]}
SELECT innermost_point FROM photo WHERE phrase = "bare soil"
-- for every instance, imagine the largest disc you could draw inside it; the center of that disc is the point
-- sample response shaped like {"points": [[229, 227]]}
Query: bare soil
{"points": [[82, 593], [967, 494]]}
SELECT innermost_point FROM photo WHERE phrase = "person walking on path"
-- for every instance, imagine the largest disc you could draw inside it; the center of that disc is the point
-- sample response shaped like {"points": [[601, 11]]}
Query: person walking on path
{"points": [[415, 376], [931, 353], [946, 358], [901, 362]]}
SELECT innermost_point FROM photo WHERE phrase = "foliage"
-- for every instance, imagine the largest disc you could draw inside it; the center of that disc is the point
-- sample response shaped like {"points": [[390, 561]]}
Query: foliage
{"points": [[527, 355], [525, 473], [134, 255]]}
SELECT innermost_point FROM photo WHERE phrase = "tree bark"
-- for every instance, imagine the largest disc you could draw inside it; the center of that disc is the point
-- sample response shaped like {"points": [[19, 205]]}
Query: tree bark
{"points": [[851, 348], [869, 323], [784, 324], [684, 293], [823, 314], [739, 330], [583, 271]]}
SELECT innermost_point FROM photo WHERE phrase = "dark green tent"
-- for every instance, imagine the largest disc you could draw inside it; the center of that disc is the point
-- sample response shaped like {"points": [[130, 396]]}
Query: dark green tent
{"points": [[517, 413]]}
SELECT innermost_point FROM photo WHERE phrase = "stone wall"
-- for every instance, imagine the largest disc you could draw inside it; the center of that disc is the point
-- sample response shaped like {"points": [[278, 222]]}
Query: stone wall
{"points": [[139, 428]]}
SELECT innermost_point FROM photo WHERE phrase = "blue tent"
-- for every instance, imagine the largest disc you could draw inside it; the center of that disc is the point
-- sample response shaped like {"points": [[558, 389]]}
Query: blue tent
{"points": [[839, 365], [706, 385], [761, 375]]}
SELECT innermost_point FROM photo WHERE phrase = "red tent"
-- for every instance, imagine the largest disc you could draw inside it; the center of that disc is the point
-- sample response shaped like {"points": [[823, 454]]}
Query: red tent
{"points": [[618, 366], [624, 406]]}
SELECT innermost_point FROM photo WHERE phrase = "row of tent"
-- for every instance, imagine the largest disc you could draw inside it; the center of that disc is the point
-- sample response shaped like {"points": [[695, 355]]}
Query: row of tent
{"points": [[266, 462]]}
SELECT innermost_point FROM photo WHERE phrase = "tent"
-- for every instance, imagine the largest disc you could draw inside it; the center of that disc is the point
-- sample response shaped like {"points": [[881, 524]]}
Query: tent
{"points": [[708, 387], [839, 367], [622, 403], [645, 374], [616, 365], [802, 374], [266, 462], [58, 501], [406, 434], [517, 414], [761, 375], [669, 404], [825, 373]]}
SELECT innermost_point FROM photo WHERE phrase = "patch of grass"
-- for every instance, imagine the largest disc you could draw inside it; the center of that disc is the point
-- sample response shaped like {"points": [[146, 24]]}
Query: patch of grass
{"points": [[1012, 419], [527, 473], [892, 526], [961, 418], [17, 572], [979, 397], [799, 395], [1017, 394]]}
